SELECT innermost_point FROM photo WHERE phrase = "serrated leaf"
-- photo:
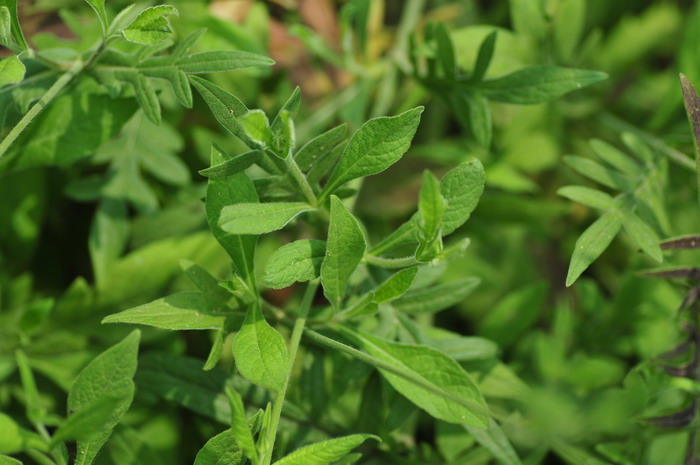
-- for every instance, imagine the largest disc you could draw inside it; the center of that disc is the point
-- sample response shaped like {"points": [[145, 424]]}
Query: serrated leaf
{"points": [[182, 311], [377, 145], [222, 449], [450, 386], [298, 261], [325, 452], [11, 70], [259, 218], [88, 422], [239, 426], [232, 165], [318, 147], [109, 374], [215, 61], [223, 192], [260, 352], [436, 298], [587, 196], [539, 84], [99, 7], [395, 286], [344, 251], [151, 26], [594, 240], [642, 234]]}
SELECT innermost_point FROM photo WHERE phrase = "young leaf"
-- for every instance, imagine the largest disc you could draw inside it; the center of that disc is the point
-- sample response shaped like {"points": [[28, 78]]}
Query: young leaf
{"points": [[89, 421], [15, 28], [109, 374], [182, 311], [325, 452], [431, 207], [260, 352], [539, 84], [239, 426], [587, 196], [344, 250], [259, 218], [5, 26], [461, 187], [446, 386], [298, 261], [233, 165], [11, 70], [642, 234], [319, 146], [257, 128], [395, 286], [222, 449], [151, 26], [35, 411], [483, 59], [436, 298], [290, 107], [215, 61], [377, 145], [496, 442], [226, 191], [99, 7], [594, 240], [109, 233]]}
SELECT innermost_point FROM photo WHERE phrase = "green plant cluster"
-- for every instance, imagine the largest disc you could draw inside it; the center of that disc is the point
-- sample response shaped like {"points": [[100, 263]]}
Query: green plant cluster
{"points": [[338, 232]]}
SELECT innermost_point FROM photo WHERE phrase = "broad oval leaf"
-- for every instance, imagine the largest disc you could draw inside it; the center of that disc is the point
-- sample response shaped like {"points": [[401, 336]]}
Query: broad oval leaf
{"points": [[259, 218], [344, 251], [325, 452], [298, 261], [260, 352], [436, 298], [448, 394], [642, 234], [220, 450], [151, 26], [461, 187], [181, 311], [594, 240], [539, 84], [377, 145]]}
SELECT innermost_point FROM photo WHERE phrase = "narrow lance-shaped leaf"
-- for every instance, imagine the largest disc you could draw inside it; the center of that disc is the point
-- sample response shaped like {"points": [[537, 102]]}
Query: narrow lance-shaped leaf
{"points": [[445, 51], [15, 27], [233, 165], [99, 7], [538, 84], [109, 374], [446, 388], [377, 145], [587, 196], [642, 234], [260, 352], [436, 298], [344, 250], [594, 240], [239, 426], [89, 421], [395, 286], [214, 61], [483, 59], [225, 107], [298, 261], [431, 207], [259, 218], [319, 146], [325, 452], [35, 411], [7, 460], [151, 26]]}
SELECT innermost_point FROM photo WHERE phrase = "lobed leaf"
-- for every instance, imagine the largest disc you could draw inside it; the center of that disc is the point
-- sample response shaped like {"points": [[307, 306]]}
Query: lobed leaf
{"points": [[298, 261]]}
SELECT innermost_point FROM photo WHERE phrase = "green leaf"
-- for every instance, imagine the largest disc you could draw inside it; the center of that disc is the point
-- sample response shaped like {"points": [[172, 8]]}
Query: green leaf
{"points": [[11, 70], [377, 145], [5, 26], [496, 442], [436, 298], [260, 352], [615, 158], [225, 107], [147, 97], [587, 196], [226, 191], [395, 286], [259, 218], [88, 422], [215, 61], [445, 51], [483, 59], [220, 450], [182, 311], [325, 452], [450, 387], [569, 25], [318, 147], [431, 207], [14, 438], [344, 251], [99, 7], [109, 374], [461, 187], [6, 460], [691, 101], [35, 411], [233, 165], [151, 26], [642, 234], [298, 261], [239, 426], [539, 84], [256, 127], [606, 176], [285, 120], [16, 29], [109, 233], [594, 240]]}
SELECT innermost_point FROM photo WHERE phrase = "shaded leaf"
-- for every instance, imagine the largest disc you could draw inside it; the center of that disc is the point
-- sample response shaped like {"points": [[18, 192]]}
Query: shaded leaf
{"points": [[298, 261], [151, 26]]}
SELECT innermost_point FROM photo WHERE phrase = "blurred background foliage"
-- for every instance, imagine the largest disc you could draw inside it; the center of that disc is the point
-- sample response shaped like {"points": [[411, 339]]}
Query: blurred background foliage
{"points": [[574, 373]]}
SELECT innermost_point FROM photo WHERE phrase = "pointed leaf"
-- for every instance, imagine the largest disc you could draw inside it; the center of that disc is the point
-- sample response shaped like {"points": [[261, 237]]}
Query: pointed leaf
{"points": [[496, 442], [325, 452], [239, 426], [319, 146], [222, 449], [225, 107], [642, 234], [233, 165], [395, 286], [151, 26], [436, 298], [298, 261], [594, 240], [99, 7], [461, 187], [259, 218], [483, 59], [587, 196], [215, 61]]}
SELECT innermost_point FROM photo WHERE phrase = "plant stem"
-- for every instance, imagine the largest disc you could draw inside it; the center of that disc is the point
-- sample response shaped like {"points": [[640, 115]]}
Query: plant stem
{"points": [[297, 332], [301, 180], [39, 457]]}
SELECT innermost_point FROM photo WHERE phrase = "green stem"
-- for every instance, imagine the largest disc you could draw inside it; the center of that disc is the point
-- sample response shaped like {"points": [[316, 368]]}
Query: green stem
{"points": [[382, 365], [39, 457], [297, 332], [45, 99], [301, 180]]}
